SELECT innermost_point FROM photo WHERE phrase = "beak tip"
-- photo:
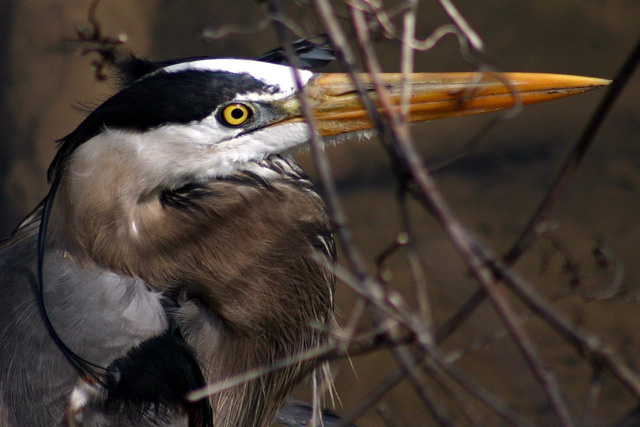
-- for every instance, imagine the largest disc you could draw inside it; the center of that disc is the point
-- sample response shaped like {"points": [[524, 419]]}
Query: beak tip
{"points": [[595, 82]]}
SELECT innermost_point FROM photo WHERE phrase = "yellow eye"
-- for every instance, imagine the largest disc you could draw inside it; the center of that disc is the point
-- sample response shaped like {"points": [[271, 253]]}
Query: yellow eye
{"points": [[236, 114]]}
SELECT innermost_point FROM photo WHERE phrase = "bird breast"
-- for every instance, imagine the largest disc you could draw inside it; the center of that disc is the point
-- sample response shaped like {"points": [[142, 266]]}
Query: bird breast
{"points": [[244, 243]]}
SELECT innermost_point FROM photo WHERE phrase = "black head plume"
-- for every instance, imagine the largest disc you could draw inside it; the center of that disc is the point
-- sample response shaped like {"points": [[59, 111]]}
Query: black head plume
{"points": [[312, 52], [130, 68]]}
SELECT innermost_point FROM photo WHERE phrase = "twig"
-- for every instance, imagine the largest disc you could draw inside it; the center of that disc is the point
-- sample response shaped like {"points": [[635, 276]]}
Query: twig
{"points": [[106, 47], [571, 165], [461, 23], [477, 391], [348, 61], [587, 344], [561, 183], [211, 34], [408, 159], [595, 386]]}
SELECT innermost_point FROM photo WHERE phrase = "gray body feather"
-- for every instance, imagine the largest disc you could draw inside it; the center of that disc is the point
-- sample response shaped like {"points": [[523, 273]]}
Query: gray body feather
{"points": [[100, 315], [104, 294]]}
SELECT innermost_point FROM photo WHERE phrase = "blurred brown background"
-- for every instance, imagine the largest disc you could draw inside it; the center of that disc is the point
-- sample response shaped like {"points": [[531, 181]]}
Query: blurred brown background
{"points": [[494, 189]]}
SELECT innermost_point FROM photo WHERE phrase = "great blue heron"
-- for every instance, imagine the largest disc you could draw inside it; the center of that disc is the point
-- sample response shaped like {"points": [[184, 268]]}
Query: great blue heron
{"points": [[178, 244]]}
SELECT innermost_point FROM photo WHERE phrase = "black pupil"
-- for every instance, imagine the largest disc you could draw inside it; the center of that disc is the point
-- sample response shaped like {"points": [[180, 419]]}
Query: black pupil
{"points": [[237, 113]]}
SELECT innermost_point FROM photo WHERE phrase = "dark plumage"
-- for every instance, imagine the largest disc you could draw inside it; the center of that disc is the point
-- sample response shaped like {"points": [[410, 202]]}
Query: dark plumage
{"points": [[158, 100], [311, 52], [141, 388]]}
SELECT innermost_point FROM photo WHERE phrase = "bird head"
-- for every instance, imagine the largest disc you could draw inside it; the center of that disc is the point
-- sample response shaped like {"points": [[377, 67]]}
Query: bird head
{"points": [[206, 118]]}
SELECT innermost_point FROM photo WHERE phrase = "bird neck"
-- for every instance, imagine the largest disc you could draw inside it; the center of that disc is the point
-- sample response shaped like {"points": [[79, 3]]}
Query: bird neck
{"points": [[240, 249]]}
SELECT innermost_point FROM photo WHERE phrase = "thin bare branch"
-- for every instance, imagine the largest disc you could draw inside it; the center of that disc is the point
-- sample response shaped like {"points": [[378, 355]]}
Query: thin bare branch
{"points": [[573, 162], [91, 40], [561, 183]]}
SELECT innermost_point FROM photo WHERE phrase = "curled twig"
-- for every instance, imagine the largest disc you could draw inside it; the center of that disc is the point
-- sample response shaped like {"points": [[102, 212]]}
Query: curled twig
{"points": [[91, 40]]}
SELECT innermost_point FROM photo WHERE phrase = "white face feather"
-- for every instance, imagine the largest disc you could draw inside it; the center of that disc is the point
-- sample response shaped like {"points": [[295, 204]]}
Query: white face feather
{"points": [[170, 155], [279, 76]]}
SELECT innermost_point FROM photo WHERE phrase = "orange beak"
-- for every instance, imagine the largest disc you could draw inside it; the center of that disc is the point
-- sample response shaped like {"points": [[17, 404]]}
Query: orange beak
{"points": [[337, 107]]}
